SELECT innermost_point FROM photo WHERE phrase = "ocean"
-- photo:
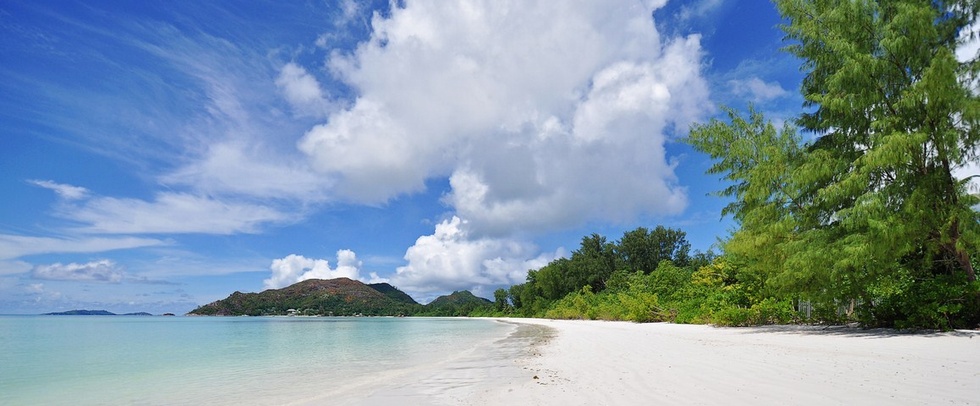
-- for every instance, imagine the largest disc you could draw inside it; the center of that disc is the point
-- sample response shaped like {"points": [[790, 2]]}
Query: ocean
{"points": [[156, 360]]}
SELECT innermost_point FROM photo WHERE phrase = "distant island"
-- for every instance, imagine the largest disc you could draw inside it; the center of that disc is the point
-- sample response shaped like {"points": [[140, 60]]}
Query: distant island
{"points": [[339, 297], [94, 313]]}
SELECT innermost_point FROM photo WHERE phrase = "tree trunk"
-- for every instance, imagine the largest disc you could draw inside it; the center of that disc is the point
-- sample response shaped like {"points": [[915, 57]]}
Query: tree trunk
{"points": [[963, 258], [961, 255]]}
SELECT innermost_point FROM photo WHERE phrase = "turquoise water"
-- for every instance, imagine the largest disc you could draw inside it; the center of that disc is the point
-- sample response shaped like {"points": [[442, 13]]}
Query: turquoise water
{"points": [[127, 360]]}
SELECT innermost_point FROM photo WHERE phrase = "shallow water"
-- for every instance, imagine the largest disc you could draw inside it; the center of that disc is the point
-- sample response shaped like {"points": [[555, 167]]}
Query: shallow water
{"points": [[129, 360]]}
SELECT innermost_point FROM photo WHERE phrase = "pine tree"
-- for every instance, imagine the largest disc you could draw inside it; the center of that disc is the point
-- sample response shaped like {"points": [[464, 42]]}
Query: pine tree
{"points": [[871, 212]]}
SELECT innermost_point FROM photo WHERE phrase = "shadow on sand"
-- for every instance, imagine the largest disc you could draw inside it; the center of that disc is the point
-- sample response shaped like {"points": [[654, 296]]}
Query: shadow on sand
{"points": [[856, 331]]}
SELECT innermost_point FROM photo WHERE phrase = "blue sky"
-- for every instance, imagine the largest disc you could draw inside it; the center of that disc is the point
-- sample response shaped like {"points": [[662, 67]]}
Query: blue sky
{"points": [[155, 156]]}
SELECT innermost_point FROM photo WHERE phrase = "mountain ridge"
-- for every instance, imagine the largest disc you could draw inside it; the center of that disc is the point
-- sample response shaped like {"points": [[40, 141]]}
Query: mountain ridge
{"points": [[315, 297], [338, 297]]}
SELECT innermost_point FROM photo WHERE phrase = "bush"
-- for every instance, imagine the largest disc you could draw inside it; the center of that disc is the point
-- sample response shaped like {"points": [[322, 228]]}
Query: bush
{"points": [[768, 311], [941, 302]]}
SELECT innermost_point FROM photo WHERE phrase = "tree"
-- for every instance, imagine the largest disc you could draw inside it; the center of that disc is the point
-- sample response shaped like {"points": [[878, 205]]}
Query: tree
{"points": [[892, 106], [500, 299], [768, 202], [642, 249], [591, 264], [871, 210], [515, 294]]}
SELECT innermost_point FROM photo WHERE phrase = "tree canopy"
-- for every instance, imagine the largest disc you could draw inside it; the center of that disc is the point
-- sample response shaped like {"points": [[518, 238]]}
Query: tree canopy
{"points": [[870, 213]]}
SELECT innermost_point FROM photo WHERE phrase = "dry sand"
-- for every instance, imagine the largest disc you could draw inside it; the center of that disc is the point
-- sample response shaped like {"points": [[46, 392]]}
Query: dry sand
{"points": [[547, 362]]}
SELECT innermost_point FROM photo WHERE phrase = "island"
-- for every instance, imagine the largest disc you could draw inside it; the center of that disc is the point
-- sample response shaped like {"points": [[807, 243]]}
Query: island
{"points": [[339, 297], [78, 312]]}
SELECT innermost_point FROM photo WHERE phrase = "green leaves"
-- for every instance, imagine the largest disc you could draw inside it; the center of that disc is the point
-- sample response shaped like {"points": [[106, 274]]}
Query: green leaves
{"points": [[871, 209]]}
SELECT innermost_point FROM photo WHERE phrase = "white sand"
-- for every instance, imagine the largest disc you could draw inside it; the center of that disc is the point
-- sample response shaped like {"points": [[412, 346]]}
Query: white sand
{"points": [[616, 363]]}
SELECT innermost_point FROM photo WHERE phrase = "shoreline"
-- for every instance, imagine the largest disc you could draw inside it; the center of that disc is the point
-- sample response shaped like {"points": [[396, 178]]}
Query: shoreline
{"points": [[602, 362], [465, 379], [581, 362]]}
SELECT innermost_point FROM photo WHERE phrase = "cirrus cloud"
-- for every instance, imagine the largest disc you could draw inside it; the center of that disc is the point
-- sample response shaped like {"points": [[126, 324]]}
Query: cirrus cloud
{"points": [[64, 191], [96, 271], [171, 212], [16, 246]]}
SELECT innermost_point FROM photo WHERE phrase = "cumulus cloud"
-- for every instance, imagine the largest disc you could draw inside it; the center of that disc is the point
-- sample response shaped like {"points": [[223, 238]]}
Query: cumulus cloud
{"points": [[96, 271], [295, 268], [67, 192], [541, 114], [450, 259], [302, 91], [757, 90]]}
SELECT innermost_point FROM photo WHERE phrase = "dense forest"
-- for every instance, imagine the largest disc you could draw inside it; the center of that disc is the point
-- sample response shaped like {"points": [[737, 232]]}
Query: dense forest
{"points": [[864, 219]]}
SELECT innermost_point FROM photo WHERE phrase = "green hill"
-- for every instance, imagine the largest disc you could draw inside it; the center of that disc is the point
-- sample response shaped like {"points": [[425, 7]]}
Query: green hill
{"points": [[393, 293], [94, 313], [82, 313], [333, 297], [459, 303]]}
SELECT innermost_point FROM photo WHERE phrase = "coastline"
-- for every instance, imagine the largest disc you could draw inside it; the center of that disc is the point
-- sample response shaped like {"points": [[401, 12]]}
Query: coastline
{"points": [[466, 379], [575, 362], [599, 362]]}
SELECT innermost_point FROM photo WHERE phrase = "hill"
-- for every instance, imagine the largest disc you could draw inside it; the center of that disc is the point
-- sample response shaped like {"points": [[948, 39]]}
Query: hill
{"points": [[459, 303], [316, 297], [82, 313], [393, 293], [94, 313]]}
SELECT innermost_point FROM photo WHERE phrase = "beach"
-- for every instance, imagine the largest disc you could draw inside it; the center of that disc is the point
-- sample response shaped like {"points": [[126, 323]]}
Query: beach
{"points": [[549, 362]]}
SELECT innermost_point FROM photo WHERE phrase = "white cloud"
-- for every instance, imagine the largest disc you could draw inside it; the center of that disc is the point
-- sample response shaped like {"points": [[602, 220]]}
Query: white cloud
{"points": [[970, 170], [757, 90], [969, 42], [542, 114], [450, 259], [295, 268], [699, 9], [16, 246], [969, 49], [67, 192], [96, 271], [13, 267], [302, 91], [171, 212], [242, 169]]}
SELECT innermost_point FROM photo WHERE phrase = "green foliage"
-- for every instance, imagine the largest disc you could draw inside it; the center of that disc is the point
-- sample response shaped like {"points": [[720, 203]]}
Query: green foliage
{"points": [[335, 297], [867, 222], [631, 305], [767, 311], [500, 300], [459, 303], [642, 249], [942, 302]]}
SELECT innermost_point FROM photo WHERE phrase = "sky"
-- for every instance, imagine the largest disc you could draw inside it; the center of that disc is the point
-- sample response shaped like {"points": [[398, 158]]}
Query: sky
{"points": [[157, 156]]}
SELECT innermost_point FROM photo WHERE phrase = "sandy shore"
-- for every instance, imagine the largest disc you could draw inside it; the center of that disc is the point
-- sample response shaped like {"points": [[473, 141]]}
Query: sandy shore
{"points": [[613, 363], [546, 362]]}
